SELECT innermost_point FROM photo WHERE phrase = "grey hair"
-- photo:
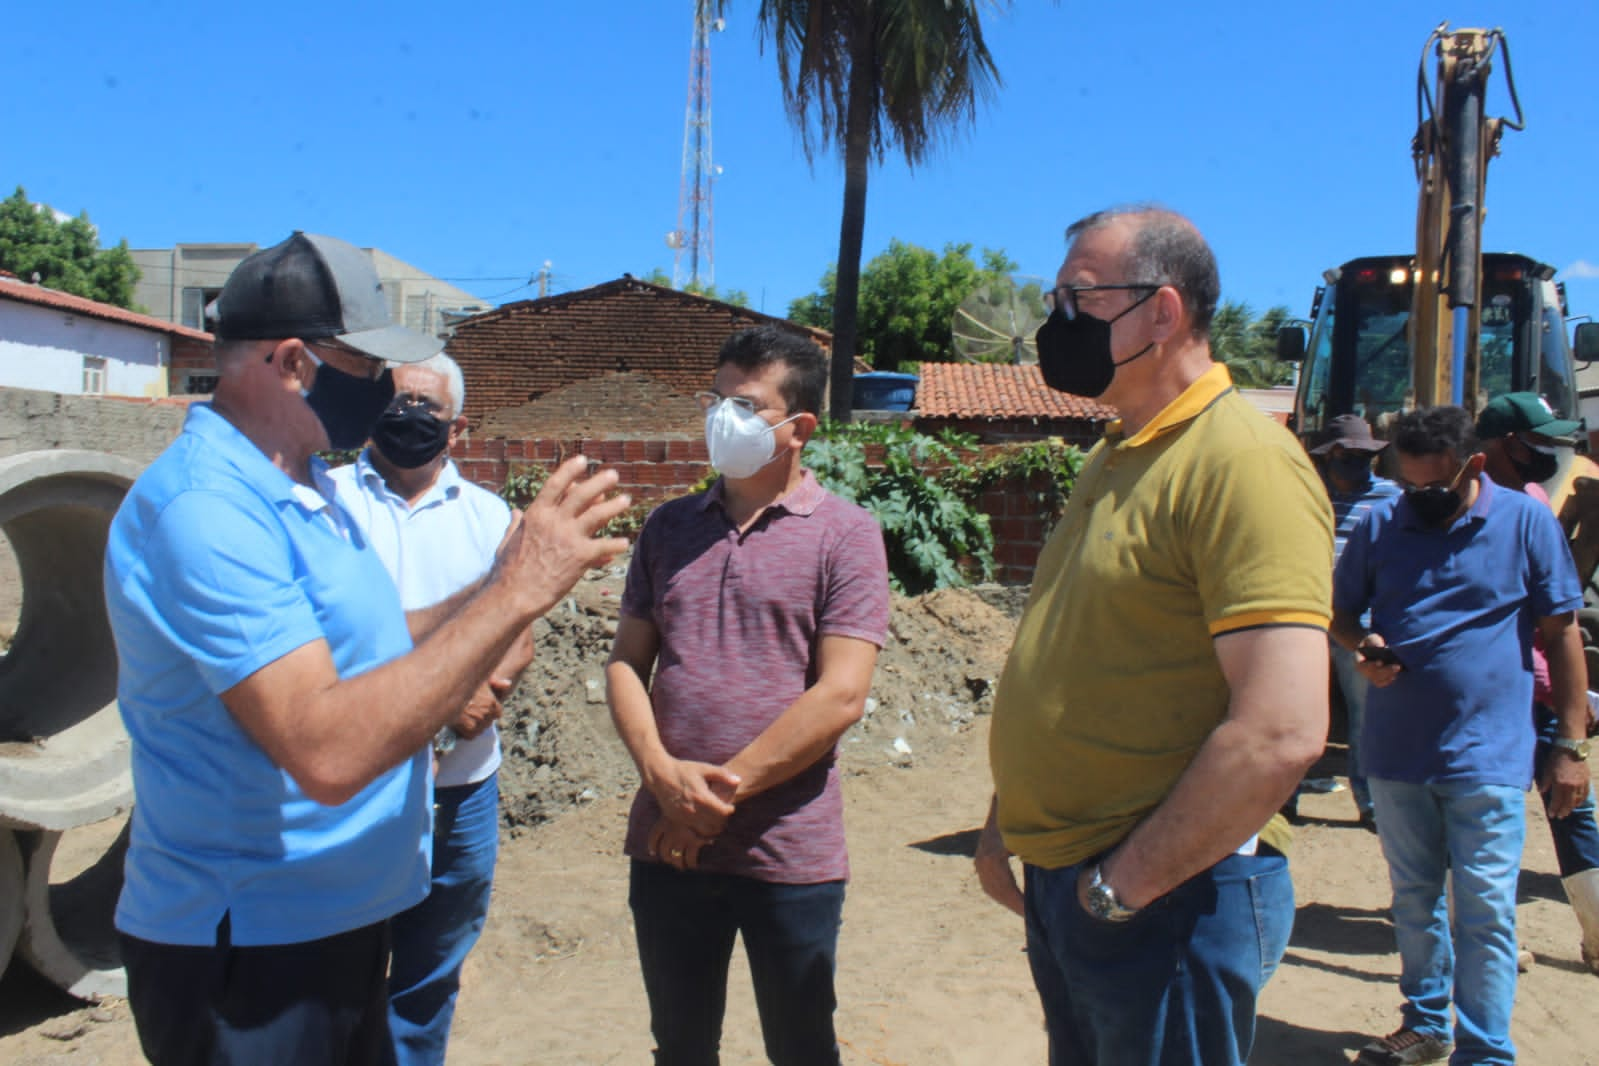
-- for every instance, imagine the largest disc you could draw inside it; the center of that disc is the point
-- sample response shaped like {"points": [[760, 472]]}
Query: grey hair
{"points": [[1167, 249], [453, 380]]}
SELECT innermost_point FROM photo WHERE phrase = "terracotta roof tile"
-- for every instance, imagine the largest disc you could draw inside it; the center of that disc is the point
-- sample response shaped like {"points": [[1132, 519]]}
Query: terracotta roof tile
{"points": [[22, 292], [990, 390]]}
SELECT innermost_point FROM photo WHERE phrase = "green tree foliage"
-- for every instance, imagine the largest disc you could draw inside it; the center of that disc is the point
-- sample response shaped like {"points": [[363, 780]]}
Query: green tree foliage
{"points": [[908, 297], [864, 76], [1248, 345], [66, 255], [736, 297]]}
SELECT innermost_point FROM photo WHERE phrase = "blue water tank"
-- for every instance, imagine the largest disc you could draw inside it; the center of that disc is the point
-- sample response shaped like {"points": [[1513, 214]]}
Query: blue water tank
{"points": [[884, 391]]}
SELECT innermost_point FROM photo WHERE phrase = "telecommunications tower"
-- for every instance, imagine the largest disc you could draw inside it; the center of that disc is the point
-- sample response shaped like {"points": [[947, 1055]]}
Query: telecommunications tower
{"points": [[693, 240]]}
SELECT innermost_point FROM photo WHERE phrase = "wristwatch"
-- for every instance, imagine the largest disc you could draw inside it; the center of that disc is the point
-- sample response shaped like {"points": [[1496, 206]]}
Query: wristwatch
{"points": [[1577, 749], [1102, 901], [444, 741]]}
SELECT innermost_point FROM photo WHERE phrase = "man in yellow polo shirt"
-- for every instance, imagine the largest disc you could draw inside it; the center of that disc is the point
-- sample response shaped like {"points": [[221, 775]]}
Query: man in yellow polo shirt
{"points": [[1168, 683]]}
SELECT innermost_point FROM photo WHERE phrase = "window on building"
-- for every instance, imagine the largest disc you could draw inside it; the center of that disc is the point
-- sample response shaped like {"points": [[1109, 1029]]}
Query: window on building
{"points": [[93, 375], [195, 301], [199, 383]]}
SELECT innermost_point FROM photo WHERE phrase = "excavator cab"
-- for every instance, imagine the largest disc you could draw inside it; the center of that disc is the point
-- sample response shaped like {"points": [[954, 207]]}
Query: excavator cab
{"points": [[1359, 354]]}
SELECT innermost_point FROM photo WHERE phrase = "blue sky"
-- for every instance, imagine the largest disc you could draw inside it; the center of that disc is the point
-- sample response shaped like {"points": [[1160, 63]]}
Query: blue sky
{"points": [[479, 140]]}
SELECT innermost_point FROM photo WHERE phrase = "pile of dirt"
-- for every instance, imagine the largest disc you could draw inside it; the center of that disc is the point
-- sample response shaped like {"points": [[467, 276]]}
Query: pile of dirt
{"points": [[936, 674]]}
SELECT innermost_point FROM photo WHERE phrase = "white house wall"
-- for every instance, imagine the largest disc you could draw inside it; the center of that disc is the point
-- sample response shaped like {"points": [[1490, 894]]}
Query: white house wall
{"points": [[43, 348]]}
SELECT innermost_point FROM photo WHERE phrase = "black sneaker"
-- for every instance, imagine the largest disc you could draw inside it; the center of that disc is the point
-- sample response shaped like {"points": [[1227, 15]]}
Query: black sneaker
{"points": [[1405, 1048]]}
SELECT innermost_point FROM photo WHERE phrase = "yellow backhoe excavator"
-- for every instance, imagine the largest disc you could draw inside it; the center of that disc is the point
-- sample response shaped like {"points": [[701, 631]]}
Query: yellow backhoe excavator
{"points": [[1450, 323]]}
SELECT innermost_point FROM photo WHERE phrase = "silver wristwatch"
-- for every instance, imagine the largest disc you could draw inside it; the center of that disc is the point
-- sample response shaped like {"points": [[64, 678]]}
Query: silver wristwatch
{"points": [[444, 741], [1102, 901]]}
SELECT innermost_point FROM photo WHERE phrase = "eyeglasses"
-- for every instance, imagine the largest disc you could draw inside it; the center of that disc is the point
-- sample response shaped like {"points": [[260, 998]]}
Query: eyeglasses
{"points": [[709, 399], [1068, 298]]}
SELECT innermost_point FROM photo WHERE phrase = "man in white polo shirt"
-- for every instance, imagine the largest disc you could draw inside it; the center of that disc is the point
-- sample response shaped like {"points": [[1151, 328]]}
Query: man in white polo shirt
{"points": [[437, 534]]}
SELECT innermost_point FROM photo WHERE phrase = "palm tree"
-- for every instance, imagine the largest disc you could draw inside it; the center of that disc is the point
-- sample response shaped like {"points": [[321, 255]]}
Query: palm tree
{"points": [[865, 75]]}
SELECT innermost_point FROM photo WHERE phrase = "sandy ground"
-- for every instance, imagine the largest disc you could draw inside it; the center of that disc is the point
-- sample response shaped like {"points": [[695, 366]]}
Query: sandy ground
{"points": [[930, 972]]}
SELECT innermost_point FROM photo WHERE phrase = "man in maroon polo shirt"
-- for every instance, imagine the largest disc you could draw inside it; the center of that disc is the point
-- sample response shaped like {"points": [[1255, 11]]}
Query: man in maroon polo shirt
{"points": [[760, 605]]}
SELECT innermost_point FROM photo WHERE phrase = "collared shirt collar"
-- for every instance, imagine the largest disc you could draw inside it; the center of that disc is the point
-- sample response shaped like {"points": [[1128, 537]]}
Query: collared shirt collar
{"points": [[228, 441], [802, 499], [1193, 400], [1477, 512], [446, 487]]}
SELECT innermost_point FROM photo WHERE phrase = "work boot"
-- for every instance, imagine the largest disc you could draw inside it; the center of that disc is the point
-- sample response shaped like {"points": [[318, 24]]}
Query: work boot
{"points": [[1405, 1048], [1582, 889]]}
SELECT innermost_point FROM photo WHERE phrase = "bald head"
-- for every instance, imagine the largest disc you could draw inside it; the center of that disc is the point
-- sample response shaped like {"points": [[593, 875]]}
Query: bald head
{"points": [[1164, 249]]}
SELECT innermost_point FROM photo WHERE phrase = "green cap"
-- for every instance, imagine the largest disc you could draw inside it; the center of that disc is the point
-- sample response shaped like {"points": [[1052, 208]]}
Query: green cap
{"points": [[1523, 412]]}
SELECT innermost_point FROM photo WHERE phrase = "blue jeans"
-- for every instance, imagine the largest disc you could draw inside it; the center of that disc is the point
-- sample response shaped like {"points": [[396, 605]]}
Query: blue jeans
{"points": [[686, 923], [1576, 835], [316, 1003], [1474, 833], [1354, 689], [431, 940], [1173, 986]]}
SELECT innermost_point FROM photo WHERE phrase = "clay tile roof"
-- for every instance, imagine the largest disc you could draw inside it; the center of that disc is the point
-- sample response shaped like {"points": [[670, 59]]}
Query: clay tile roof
{"points": [[22, 292], [990, 390]]}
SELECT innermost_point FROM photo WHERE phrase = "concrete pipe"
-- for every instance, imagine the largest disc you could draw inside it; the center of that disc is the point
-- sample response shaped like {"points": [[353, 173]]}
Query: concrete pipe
{"points": [[68, 933], [63, 751], [10, 895]]}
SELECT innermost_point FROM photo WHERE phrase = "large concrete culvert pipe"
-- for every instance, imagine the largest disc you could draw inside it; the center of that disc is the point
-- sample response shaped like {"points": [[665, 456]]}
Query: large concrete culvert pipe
{"points": [[63, 751], [64, 758], [11, 881]]}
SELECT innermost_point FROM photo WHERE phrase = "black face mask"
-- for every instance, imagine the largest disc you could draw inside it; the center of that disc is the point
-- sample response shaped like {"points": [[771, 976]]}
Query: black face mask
{"points": [[1435, 504], [1355, 469], [347, 406], [410, 436], [1074, 353], [1541, 467]]}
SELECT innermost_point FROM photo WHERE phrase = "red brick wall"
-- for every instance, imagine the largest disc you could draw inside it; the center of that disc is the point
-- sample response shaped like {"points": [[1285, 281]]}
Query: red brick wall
{"points": [[188, 355], [525, 350], [656, 470]]}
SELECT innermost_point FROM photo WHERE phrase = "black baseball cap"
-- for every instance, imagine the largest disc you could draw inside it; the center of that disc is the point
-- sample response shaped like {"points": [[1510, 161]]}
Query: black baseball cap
{"points": [[315, 288]]}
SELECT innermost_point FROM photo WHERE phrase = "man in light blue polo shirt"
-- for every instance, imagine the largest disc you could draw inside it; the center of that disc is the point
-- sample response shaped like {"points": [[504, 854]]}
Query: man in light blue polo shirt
{"points": [[1457, 573], [436, 534], [278, 714]]}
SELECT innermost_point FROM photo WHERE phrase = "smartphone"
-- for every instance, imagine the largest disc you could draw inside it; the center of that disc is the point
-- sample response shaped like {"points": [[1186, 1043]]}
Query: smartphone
{"points": [[1380, 653]]}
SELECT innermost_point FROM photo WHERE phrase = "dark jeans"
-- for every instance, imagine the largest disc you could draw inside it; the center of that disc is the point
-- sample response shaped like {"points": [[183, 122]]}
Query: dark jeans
{"points": [[319, 1003], [686, 923], [432, 939], [1175, 985], [1576, 835]]}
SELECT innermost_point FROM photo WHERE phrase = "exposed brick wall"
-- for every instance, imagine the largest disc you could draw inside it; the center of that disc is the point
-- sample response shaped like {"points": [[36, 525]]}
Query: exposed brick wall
{"points": [[655, 470], [526, 350], [188, 355], [1019, 513]]}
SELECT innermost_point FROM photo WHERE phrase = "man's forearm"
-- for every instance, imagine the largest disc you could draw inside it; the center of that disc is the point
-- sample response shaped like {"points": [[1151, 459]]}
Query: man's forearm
{"points": [[806, 731], [1228, 793], [1568, 680], [1276, 727], [425, 620], [634, 718], [1346, 630]]}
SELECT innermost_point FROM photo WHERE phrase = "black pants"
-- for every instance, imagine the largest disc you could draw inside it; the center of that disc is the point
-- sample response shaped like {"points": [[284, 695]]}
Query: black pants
{"points": [[317, 1003]]}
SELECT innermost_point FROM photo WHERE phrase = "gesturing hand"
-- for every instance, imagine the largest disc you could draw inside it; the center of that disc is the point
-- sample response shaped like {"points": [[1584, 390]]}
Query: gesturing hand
{"points": [[555, 541]]}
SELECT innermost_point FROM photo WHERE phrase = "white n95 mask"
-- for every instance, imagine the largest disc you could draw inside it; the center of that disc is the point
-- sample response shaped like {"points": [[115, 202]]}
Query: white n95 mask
{"points": [[740, 440]]}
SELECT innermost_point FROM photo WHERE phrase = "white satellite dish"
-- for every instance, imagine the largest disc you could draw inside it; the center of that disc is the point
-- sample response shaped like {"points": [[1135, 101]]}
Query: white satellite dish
{"points": [[996, 323]]}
